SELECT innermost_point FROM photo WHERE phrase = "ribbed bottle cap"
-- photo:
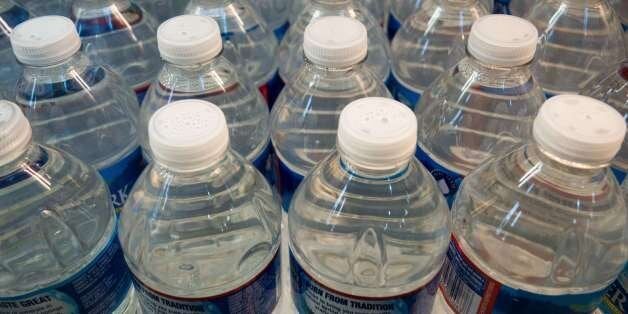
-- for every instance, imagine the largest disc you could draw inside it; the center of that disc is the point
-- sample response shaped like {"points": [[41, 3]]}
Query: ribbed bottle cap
{"points": [[579, 129], [335, 41], [189, 39], [15, 132], [377, 133], [503, 40], [188, 135], [45, 40]]}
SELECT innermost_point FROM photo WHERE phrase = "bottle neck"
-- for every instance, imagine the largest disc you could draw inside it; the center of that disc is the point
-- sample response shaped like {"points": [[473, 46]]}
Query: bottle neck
{"points": [[334, 71], [371, 173], [493, 75], [554, 162], [70, 68], [331, 2], [14, 161], [205, 76]]}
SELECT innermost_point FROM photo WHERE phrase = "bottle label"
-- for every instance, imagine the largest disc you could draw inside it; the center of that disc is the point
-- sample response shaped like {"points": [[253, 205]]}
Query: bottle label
{"points": [[121, 176], [448, 181], [271, 89], [394, 24], [312, 297], [260, 295], [467, 289], [615, 301], [286, 181], [100, 287], [408, 96], [281, 31], [109, 21], [620, 174]]}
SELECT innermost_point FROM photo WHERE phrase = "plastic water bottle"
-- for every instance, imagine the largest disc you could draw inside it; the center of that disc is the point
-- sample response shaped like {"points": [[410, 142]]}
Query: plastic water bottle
{"points": [[429, 44], [621, 9], [483, 105], [368, 226], [521, 7], [305, 118], [616, 299], [275, 13], [162, 10], [75, 104], [200, 231], [290, 54], [58, 243], [121, 34], [541, 229], [578, 40], [47, 7], [400, 10], [611, 87], [11, 15], [194, 68], [245, 37], [378, 8]]}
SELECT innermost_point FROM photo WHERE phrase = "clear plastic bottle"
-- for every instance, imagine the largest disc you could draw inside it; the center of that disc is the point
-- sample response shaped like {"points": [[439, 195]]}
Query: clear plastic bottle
{"points": [[121, 34], [578, 39], [368, 226], [58, 243], [621, 9], [520, 7], [194, 68], [11, 15], [200, 231], [428, 44], [275, 13], [400, 10], [542, 229], [483, 105], [245, 37], [304, 119], [47, 7], [75, 104], [378, 8], [162, 10], [290, 55], [611, 87]]}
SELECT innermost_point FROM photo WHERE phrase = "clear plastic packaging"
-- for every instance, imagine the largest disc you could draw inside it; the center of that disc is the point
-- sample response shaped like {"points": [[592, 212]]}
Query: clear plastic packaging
{"points": [[11, 15]]}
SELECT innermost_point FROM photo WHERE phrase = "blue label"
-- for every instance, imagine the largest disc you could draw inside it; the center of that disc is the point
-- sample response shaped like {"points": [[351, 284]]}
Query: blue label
{"points": [[260, 295], [402, 93], [121, 176], [286, 181], [312, 297], [393, 26], [116, 20], [100, 287], [263, 163], [271, 89], [619, 174], [615, 301], [469, 290], [448, 181], [281, 31]]}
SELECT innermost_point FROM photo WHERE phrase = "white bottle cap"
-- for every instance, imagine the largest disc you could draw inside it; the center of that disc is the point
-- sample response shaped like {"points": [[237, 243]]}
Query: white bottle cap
{"points": [[503, 40], [15, 132], [45, 40], [189, 39], [579, 129], [335, 41], [188, 135], [377, 133]]}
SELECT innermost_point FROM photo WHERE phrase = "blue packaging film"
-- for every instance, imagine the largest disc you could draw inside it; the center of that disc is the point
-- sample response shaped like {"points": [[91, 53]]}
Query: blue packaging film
{"points": [[260, 295], [448, 181], [286, 181], [312, 297], [100, 287], [394, 24], [620, 174], [467, 289], [121, 176], [281, 31], [403, 93]]}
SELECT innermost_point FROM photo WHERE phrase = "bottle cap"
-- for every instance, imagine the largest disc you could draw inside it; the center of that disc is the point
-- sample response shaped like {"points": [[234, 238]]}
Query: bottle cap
{"points": [[335, 41], [188, 135], [15, 132], [579, 129], [189, 39], [45, 40], [503, 40], [377, 133]]}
